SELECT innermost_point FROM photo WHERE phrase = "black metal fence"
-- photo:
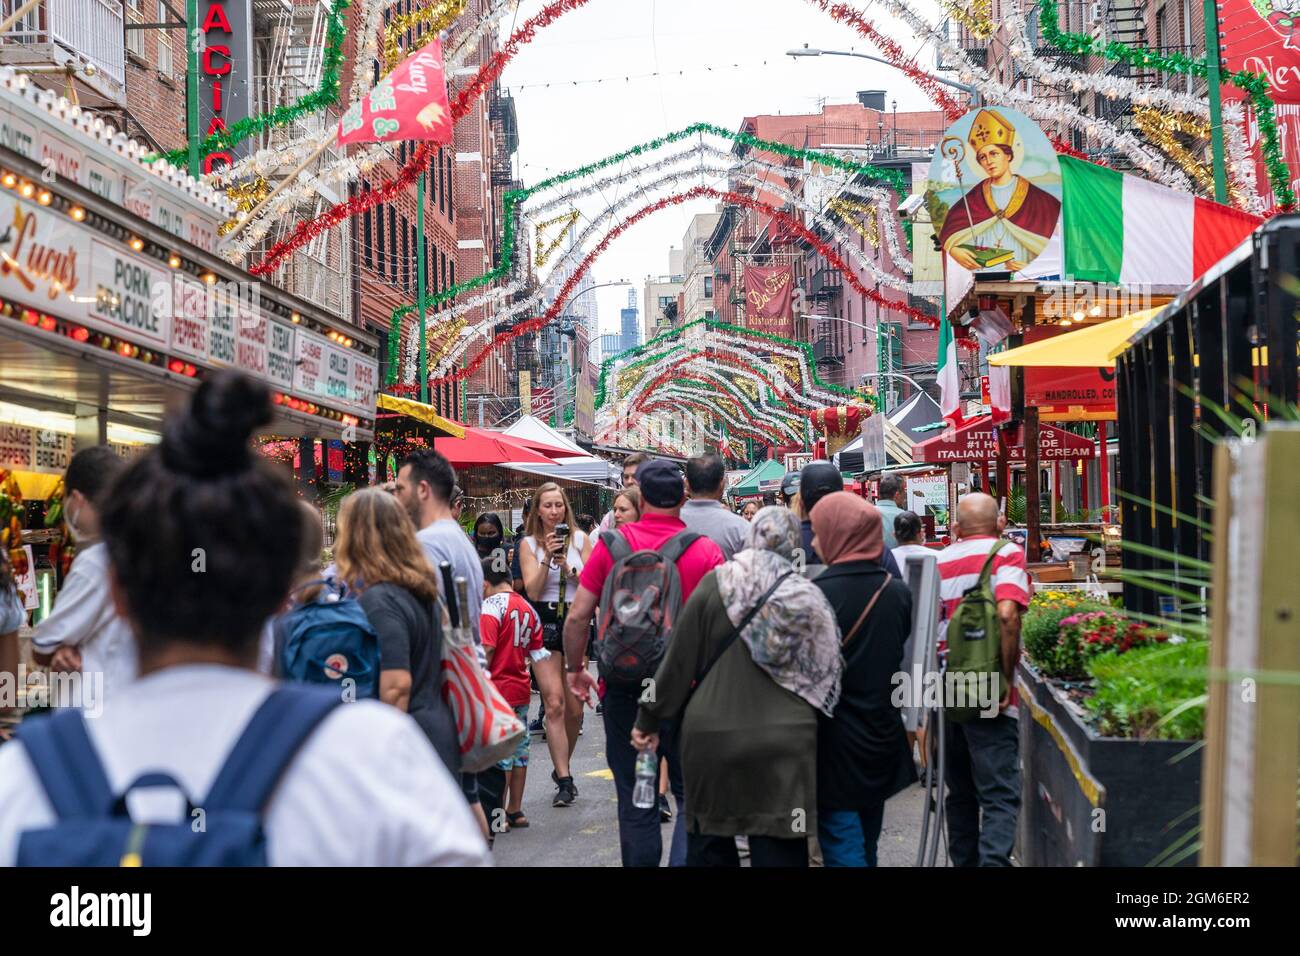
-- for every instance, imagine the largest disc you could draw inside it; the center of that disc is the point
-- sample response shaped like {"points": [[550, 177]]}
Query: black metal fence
{"points": [[1219, 358]]}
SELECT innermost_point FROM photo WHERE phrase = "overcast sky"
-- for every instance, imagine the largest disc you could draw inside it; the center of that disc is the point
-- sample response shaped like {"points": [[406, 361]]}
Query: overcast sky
{"points": [[564, 126]]}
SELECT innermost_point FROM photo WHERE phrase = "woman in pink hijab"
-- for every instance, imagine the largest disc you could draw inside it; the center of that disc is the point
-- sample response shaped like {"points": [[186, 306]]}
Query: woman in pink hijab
{"points": [[862, 754]]}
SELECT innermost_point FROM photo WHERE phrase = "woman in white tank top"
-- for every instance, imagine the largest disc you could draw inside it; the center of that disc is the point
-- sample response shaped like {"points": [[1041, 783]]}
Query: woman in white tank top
{"points": [[551, 557]]}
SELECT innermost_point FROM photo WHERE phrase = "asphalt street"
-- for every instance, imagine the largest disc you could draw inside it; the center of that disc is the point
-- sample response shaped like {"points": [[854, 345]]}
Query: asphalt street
{"points": [[586, 833]]}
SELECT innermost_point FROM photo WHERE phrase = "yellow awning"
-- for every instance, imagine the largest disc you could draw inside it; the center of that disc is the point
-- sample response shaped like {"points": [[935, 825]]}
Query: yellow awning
{"points": [[421, 413], [1092, 346], [36, 486]]}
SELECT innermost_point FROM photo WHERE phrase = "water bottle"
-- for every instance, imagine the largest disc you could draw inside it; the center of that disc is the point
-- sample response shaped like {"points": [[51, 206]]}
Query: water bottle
{"points": [[646, 792]]}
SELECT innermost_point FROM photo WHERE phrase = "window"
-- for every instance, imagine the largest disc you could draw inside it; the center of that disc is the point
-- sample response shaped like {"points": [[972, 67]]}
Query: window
{"points": [[442, 183], [379, 236], [164, 43], [708, 287], [451, 193], [406, 255], [392, 240], [134, 38], [424, 257], [367, 239], [415, 261]]}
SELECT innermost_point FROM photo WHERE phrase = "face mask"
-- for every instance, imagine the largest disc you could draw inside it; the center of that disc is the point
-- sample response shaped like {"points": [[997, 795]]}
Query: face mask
{"points": [[71, 522], [486, 544]]}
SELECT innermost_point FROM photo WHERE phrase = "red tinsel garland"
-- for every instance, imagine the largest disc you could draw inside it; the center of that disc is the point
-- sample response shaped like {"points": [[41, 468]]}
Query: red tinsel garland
{"points": [[308, 229], [795, 228], [667, 375], [898, 58], [737, 429], [723, 358]]}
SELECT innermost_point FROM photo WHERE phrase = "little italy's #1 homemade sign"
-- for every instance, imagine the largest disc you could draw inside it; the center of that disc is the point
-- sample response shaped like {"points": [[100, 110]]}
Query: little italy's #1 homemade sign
{"points": [[59, 266]]}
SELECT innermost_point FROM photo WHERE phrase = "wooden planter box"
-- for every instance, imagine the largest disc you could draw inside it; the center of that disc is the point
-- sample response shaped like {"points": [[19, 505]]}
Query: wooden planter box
{"points": [[1097, 801]]}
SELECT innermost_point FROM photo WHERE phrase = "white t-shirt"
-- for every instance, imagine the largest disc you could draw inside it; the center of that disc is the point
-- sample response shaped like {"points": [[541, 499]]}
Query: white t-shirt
{"points": [[84, 616], [902, 552], [551, 593], [365, 789]]}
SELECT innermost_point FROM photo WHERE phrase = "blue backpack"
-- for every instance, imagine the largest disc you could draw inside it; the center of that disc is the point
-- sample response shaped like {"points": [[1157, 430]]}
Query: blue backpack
{"points": [[94, 828], [329, 639]]}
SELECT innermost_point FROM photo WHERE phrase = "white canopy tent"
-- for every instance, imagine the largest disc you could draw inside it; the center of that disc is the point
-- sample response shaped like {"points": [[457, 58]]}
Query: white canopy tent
{"points": [[581, 466]]}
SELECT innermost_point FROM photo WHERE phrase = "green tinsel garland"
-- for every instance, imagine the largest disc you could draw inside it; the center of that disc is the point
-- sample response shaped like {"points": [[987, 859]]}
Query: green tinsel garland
{"points": [[1254, 85], [715, 324], [733, 392], [512, 200], [325, 95]]}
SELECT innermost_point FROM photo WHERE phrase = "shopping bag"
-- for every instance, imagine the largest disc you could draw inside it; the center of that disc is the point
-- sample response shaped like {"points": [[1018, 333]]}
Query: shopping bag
{"points": [[487, 728]]}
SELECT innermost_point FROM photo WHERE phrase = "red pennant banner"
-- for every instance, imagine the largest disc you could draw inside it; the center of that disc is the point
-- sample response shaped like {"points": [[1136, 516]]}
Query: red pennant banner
{"points": [[410, 103], [769, 299], [1263, 37]]}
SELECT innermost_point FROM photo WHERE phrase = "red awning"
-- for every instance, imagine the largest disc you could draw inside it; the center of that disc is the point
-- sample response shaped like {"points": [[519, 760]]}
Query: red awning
{"points": [[550, 451], [480, 447], [976, 441]]}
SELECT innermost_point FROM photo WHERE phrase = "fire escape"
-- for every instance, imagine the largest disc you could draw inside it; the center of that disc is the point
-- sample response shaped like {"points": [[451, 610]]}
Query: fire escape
{"points": [[1122, 21]]}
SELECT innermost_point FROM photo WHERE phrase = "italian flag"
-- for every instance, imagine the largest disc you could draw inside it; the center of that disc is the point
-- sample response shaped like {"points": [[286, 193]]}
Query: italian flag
{"points": [[1123, 229], [949, 375]]}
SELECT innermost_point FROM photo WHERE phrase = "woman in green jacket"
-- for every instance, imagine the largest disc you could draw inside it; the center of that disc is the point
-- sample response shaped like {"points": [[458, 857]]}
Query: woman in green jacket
{"points": [[760, 643]]}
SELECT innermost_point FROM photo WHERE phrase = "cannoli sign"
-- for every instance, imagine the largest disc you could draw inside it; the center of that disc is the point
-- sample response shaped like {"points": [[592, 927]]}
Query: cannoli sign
{"points": [[41, 253]]}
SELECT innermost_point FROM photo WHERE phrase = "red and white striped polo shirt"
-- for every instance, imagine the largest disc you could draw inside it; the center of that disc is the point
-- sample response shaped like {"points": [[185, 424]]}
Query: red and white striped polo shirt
{"points": [[959, 571]]}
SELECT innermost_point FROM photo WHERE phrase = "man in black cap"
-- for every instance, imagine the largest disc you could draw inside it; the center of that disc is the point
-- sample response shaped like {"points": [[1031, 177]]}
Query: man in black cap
{"points": [[817, 480], [789, 487], [663, 492]]}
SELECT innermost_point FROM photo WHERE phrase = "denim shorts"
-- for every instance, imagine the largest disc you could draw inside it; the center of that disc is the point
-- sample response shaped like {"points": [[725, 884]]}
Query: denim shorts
{"points": [[520, 757]]}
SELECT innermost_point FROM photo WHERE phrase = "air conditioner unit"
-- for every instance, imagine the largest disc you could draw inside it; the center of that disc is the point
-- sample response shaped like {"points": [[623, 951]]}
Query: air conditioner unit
{"points": [[1097, 12]]}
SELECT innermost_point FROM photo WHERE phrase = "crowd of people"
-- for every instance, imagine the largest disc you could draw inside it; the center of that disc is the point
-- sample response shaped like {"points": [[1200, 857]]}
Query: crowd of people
{"points": [[765, 709]]}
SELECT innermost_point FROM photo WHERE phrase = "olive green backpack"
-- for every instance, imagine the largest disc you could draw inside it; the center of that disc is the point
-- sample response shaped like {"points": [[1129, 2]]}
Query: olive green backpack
{"points": [[974, 647]]}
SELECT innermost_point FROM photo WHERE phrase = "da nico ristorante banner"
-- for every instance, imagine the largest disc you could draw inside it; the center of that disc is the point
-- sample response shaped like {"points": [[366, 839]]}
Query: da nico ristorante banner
{"points": [[769, 299]]}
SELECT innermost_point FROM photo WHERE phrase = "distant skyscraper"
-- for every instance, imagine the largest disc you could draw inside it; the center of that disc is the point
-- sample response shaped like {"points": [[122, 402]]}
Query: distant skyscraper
{"points": [[630, 330]]}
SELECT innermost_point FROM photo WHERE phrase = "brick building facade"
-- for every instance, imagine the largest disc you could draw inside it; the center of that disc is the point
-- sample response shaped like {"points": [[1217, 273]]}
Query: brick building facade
{"points": [[463, 186], [853, 338]]}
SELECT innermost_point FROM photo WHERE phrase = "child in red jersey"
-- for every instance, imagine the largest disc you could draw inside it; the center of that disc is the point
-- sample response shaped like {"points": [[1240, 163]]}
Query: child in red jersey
{"points": [[512, 636]]}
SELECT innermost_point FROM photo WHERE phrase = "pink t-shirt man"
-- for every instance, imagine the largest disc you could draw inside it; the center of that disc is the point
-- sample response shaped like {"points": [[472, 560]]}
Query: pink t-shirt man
{"points": [[649, 534]]}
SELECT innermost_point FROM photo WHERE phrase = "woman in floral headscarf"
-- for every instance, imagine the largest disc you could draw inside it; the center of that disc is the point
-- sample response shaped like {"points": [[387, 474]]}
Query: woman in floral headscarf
{"points": [[760, 644]]}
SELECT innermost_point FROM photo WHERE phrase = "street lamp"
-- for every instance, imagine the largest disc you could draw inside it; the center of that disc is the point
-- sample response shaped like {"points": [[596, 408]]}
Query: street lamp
{"points": [[878, 374], [805, 50]]}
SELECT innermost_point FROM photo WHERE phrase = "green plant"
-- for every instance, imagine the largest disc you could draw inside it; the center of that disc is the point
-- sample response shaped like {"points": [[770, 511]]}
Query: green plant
{"points": [[1016, 508], [1040, 627], [1088, 634], [1153, 693]]}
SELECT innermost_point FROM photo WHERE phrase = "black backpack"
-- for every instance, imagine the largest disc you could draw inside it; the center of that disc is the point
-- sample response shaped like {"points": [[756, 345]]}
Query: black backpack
{"points": [[639, 605]]}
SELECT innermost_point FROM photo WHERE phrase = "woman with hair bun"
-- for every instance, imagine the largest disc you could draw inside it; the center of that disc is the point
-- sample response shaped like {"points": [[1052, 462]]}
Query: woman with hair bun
{"points": [[204, 536]]}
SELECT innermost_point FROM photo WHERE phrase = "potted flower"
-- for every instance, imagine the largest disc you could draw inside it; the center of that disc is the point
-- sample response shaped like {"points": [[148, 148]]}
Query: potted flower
{"points": [[1105, 782]]}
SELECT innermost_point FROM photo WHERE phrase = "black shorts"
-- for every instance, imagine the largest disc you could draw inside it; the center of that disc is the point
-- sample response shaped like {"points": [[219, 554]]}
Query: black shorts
{"points": [[552, 627], [469, 787]]}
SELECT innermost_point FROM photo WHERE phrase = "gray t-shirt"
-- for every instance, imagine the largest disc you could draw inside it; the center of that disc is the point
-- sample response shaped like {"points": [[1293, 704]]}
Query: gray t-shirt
{"points": [[445, 541], [728, 530], [889, 510]]}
